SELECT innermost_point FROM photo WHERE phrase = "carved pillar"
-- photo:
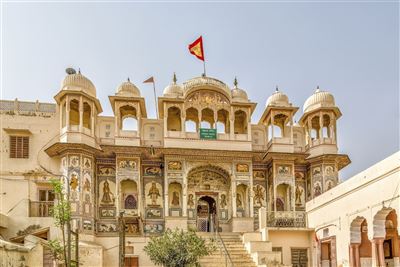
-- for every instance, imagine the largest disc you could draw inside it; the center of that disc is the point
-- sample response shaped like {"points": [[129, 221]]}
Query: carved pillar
{"points": [[291, 129], [166, 201], [184, 191], [67, 110], [60, 108], [251, 193], [233, 196], [81, 114], [272, 125], [351, 255], [356, 250], [374, 256], [380, 252], [92, 118], [248, 126]]}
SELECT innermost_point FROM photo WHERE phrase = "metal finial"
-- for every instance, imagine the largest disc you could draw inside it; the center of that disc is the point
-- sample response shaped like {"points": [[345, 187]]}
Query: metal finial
{"points": [[317, 86], [129, 80], [276, 88], [235, 82], [174, 79], [79, 70]]}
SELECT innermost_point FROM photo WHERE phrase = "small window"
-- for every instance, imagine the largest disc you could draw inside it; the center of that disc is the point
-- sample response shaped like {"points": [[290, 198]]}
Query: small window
{"points": [[46, 195], [107, 134], [151, 129], [152, 136], [19, 147], [108, 126]]}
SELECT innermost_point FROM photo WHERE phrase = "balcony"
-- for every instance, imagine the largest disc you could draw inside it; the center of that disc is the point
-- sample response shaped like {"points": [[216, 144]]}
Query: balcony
{"points": [[40, 208], [286, 219]]}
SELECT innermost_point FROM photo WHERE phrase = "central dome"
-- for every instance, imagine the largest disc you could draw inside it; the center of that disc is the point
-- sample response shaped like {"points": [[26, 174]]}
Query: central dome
{"points": [[128, 89], [205, 81], [78, 82]]}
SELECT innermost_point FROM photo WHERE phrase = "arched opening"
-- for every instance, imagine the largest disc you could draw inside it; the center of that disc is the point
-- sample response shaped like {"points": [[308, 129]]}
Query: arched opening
{"points": [[326, 121], [360, 245], [128, 118], [174, 119], [222, 121], [74, 112], [192, 120], [129, 194], [64, 115], [314, 132], [87, 116], [213, 182], [385, 227], [207, 119], [206, 214], [278, 126], [240, 123], [283, 193]]}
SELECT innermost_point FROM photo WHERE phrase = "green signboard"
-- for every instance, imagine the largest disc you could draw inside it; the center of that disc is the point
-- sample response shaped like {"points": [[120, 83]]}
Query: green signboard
{"points": [[208, 133]]}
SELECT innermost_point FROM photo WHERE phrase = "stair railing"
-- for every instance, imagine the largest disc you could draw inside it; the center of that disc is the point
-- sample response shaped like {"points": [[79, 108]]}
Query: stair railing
{"points": [[224, 251]]}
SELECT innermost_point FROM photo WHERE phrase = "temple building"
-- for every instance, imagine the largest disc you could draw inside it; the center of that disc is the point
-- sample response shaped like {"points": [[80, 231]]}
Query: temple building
{"points": [[201, 164]]}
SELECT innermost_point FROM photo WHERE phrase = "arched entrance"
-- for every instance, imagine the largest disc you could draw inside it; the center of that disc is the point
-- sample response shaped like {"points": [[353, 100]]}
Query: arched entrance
{"points": [[209, 198], [206, 214]]}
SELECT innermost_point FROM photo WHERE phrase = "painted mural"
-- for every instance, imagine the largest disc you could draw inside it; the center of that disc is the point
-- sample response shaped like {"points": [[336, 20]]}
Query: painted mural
{"points": [[153, 193]]}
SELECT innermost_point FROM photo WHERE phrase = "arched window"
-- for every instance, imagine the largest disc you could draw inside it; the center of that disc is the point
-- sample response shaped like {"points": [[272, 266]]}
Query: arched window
{"points": [[129, 194], [192, 120], [74, 112], [128, 118], [277, 131], [326, 121], [129, 124], [207, 118], [174, 119], [222, 121], [240, 124], [190, 126], [315, 128], [87, 115]]}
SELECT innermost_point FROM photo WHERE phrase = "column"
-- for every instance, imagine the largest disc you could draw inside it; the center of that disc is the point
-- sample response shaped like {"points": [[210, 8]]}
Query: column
{"points": [[166, 202], [356, 255], [272, 126], [184, 191], [251, 193], [320, 126], [81, 114], [374, 256], [92, 118], [60, 108], [232, 128], [165, 125], [309, 128], [248, 126], [351, 255], [291, 129], [67, 109], [381, 257], [215, 119], [233, 196]]}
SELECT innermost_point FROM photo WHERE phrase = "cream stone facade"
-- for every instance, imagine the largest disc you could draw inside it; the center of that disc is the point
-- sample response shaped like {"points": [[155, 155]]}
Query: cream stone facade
{"points": [[200, 164]]}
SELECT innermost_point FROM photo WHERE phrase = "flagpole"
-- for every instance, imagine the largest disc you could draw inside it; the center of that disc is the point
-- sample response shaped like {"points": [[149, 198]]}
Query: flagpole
{"points": [[204, 67], [155, 97]]}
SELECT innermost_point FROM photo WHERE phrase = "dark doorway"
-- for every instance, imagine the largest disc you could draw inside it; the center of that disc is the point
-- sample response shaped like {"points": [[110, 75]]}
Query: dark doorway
{"points": [[206, 214]]}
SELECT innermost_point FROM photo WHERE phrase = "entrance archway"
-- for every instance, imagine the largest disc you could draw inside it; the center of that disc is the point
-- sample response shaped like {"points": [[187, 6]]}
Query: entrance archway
{"points": [[212, 207], [206, 214]]}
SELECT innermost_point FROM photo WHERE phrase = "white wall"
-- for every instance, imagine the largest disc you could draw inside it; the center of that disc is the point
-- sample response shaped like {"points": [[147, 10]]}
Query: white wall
{"points": [[362, 195]]}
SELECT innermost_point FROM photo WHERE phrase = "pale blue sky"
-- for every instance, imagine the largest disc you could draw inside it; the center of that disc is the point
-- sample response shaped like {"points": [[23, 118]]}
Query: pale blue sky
{"points": [[349, 49]]}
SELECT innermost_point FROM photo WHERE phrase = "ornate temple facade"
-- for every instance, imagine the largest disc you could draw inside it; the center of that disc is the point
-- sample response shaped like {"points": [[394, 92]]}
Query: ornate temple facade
{"points": [[201, 164]]}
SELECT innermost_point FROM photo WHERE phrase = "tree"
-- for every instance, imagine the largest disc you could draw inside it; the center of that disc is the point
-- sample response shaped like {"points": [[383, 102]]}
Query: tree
{"points": [[61, 213], [178, 248]]}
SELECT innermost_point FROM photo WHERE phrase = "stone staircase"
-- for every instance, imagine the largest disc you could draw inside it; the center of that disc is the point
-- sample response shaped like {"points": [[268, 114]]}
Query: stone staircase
{"points": [[234, 245]]}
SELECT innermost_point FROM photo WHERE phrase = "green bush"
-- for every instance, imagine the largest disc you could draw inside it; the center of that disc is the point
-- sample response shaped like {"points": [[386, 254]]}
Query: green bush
{"points": [[178, 248]]}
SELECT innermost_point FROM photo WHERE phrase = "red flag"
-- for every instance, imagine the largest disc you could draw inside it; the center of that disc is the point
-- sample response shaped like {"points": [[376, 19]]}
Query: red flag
{"points": [[149, 80], [196, 48]]}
